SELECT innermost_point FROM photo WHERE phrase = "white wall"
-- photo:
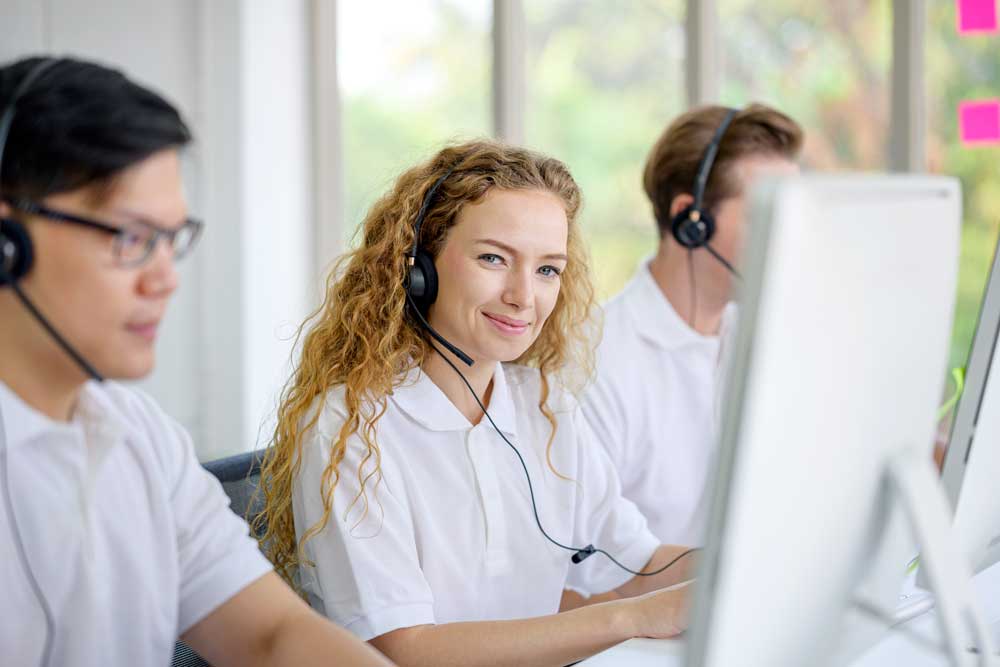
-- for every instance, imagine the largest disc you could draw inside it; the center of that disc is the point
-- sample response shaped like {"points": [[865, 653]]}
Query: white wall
{"points": [[238, 72], [278, 260]]}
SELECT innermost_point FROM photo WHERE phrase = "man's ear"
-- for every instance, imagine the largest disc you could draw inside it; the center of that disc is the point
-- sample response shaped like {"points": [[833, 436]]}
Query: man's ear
{"points": [[680, 203]]}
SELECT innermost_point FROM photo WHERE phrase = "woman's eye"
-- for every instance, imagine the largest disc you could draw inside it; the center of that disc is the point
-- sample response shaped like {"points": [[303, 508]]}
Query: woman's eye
{"points": [[549, 271], [490, 258]]}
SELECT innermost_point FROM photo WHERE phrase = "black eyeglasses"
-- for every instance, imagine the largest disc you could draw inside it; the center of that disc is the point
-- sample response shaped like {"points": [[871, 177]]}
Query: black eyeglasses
{"points": [[134, 242]]}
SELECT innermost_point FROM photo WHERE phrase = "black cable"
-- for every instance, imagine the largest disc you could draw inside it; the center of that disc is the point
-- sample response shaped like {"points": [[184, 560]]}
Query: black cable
{"points": [[580, 553], [50, 624], [37, 314], [693, 303]]}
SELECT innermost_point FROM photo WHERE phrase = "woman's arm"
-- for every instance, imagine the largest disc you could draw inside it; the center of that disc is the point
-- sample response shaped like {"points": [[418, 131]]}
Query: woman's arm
{"points": [[545, 641], [684, 568]]}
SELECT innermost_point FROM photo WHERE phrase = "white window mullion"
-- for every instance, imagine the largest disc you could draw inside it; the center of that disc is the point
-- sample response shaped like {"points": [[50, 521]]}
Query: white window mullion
{"points": [[509, 57], [908, 116], [701, 61], [328, 144]]}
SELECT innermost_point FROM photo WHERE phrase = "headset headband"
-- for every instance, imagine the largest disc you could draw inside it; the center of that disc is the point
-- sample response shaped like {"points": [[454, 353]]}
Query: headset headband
{"points": [[708, 159], [8, 115], [428, 198]]}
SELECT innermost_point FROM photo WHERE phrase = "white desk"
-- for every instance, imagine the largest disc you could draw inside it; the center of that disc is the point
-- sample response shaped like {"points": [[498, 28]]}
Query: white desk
{"points": [[898, 649], [639, 653], [895, 649]]}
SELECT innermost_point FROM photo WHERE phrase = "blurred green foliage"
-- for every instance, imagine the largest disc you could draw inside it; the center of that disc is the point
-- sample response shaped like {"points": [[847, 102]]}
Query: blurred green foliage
{"points": [[602, 86], [434, 89], [960, 68], [605, 78]]}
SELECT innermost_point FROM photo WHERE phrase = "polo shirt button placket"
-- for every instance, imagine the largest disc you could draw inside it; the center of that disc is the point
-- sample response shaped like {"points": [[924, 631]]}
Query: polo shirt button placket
{"points": [[481, 450]]}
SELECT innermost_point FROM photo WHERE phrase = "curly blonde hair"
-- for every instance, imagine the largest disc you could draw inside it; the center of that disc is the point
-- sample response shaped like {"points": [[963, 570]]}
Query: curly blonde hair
{"points": [[364, 338]]}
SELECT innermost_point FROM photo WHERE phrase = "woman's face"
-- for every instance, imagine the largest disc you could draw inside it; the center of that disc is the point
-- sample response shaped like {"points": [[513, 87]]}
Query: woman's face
{"points": [[499, 273]]}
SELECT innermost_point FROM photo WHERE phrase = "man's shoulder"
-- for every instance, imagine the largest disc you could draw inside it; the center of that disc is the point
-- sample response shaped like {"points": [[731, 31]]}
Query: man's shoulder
{"points": [[128, 404], [620, 338], [621, 311], [155, 439]]}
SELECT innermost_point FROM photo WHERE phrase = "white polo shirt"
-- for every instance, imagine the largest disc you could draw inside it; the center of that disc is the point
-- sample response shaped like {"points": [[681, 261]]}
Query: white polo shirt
{"points": [[449, 533], [130, 540], [653, 404]]}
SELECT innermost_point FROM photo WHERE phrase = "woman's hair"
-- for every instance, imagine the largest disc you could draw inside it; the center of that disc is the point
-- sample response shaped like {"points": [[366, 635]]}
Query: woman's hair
{"points": [[364, 338], [672, 165]]}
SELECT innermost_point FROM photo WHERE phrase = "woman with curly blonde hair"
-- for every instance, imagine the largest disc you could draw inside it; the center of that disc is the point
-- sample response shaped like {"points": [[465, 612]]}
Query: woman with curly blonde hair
{"points": [[400, 511]]}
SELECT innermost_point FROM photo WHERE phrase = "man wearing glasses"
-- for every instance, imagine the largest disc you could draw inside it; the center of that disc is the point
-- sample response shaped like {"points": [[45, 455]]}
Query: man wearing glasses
{"points": [[113, 540]]}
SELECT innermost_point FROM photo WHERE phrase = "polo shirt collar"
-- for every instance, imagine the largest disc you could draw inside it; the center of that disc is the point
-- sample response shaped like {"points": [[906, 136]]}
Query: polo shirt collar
{"points": [[424, 402], [654, 316], [92, 419]]}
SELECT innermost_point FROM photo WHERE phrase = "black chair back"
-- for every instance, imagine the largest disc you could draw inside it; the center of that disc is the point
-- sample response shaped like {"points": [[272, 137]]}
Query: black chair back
{"points": [[239, 475]]}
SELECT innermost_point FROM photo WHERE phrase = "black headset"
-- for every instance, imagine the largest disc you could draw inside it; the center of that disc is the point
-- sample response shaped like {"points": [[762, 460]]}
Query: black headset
{"points": [[421, 284], [421, 287], [16, 250], [694, 226]]}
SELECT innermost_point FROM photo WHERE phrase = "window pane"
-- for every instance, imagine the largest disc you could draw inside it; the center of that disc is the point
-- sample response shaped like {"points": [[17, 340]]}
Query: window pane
{"points": [[601, 88], [964, 68], [413, 75], [827, 64]]}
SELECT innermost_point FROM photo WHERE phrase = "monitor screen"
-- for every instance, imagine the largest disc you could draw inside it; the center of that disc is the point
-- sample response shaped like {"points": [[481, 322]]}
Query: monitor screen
{"points": [[837, 370]]}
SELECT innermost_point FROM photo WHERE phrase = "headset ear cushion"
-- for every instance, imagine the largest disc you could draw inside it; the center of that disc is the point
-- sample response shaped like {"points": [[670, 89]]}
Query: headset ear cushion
{"points": [[423, 283], [692, 233], [16, 254]]}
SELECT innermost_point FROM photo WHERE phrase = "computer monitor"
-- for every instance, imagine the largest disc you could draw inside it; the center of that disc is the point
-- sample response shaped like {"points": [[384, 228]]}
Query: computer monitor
{"points": [[971, 471], [837, 368]]}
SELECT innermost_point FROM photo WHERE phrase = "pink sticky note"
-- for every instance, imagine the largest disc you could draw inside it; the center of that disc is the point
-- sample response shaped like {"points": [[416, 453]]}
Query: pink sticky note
{"points": [[977, 15], [979, 121]]}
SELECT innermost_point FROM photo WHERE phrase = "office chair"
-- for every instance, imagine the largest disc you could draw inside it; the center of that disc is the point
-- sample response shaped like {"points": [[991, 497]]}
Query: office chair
{"points": [[239, 475]]}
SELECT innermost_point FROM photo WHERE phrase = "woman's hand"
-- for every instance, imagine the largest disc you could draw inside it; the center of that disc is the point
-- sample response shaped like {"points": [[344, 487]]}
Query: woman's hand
{"points": [[660, 614]]}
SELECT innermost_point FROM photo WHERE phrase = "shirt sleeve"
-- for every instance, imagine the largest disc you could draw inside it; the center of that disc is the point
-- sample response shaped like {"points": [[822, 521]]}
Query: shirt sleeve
{"points": [[217, 558], [606, 519], [365, 573]]}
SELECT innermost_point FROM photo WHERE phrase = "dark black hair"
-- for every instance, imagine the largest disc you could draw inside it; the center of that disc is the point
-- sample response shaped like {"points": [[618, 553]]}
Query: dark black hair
{"points": [[78, 124]]}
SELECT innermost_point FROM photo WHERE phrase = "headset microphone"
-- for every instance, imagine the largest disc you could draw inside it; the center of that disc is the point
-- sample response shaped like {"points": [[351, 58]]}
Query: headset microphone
{"points": [[723, 261], [435, 335], [16, 249], [62, 342]]}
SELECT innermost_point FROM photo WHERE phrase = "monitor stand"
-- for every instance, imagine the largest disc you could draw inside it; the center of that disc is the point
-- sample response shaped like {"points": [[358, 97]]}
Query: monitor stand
{"points": [[914, 482]]}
